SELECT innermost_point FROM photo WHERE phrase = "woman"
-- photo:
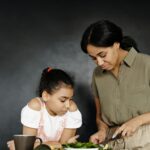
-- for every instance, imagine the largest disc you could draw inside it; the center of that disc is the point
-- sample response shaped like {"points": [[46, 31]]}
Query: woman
{"points": [[121, 86]]}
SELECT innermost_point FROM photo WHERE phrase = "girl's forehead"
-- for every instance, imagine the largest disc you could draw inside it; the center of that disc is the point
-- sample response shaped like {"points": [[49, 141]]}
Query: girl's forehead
{"points": [[63, 90]]}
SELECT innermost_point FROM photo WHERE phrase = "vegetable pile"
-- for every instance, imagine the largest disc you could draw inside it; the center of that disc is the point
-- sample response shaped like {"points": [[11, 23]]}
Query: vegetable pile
{"points": [[85, 145]]}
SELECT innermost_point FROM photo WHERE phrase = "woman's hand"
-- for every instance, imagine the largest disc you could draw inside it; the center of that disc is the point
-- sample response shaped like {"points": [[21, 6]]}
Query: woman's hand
{"points": [[11, 145], [98, 137], [128, 128]]}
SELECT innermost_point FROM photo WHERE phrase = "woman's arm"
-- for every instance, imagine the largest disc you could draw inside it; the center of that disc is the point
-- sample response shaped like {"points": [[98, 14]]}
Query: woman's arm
{"points": [[99, 136], [100, 124], [129, 127]]}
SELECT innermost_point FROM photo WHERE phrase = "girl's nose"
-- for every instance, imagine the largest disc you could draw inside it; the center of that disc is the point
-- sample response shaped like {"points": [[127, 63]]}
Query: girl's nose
{"points": [[67, 104], [100, 61]]}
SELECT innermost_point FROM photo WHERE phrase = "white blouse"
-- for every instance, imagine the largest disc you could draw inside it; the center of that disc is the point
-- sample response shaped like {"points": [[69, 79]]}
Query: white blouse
{"points": [[53, 125]]}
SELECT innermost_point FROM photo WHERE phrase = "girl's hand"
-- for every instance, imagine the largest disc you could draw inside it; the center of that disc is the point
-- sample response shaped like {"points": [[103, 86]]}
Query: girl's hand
{"points": [[128, 128], [53, 145], [11, 145], [98, 137], [73, 139]]}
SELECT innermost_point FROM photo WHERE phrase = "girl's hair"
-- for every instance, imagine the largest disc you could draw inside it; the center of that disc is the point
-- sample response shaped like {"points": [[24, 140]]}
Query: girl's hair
{"points": [[53, 79], [104, 34]]}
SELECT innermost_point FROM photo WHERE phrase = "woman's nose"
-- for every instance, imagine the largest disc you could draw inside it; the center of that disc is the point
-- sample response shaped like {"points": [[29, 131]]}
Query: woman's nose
{"points": [[100, 61]]}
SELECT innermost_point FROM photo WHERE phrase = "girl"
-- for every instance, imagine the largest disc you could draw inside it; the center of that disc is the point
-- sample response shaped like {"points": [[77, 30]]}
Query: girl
{"points": [[121, 86], [53, 115]]}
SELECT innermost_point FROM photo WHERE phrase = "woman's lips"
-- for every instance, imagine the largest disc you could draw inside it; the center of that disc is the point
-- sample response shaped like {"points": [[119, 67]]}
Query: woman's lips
{"points": [[103, 67]]}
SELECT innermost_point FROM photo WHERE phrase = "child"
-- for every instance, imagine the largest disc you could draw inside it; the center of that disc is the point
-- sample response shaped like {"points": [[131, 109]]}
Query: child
{"points": [[53, 116]]}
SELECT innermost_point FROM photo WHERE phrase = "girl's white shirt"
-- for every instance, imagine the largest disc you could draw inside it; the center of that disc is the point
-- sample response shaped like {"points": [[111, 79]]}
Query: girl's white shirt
{"points": [[52, 125]]}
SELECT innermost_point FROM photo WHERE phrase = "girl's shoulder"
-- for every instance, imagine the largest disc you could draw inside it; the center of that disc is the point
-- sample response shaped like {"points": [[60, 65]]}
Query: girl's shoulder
{"points": [[73, 106], [35, 104]]}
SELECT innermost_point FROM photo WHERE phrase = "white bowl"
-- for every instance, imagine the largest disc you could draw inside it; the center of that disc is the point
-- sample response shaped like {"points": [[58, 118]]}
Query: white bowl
{"points": [[70, 148]]}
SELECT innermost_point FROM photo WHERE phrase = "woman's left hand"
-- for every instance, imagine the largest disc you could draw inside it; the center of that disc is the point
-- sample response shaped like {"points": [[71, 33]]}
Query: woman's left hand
{"points": [[128, 128]]}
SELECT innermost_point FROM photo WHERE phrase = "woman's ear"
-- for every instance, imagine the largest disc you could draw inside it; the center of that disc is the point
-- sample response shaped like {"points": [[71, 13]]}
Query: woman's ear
{"points": [[45, 96]]}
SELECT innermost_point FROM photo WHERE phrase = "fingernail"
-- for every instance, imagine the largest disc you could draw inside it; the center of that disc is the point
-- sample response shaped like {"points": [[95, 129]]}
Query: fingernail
{"points": [[113, 136]]}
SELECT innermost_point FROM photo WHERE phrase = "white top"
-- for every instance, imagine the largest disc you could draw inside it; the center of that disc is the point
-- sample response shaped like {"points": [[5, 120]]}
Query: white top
{"points": [[52, 125]]}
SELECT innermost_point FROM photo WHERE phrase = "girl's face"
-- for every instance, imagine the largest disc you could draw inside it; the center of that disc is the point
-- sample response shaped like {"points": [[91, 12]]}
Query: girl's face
{"points": [[58, 102], [105, 57]]}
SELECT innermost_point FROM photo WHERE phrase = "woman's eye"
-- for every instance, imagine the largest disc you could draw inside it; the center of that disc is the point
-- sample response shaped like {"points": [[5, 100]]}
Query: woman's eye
{"points": [[102, 55], [93, 58]]}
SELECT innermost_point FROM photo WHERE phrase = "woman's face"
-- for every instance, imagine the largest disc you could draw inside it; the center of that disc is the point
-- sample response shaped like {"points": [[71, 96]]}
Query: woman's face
{"points": [[105, 57], [58, 102]]}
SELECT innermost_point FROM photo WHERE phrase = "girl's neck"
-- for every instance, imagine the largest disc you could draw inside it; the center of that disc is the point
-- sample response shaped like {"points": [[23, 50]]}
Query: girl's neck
{"points": [[50, 111]]}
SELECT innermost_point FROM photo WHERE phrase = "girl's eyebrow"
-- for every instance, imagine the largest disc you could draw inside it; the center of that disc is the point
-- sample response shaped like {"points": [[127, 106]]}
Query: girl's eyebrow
{"points": [[66, 97]]}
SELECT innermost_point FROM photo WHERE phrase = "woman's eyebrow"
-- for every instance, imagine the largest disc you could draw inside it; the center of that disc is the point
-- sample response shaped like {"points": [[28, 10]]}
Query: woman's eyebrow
{"points": [[99, 53], [91, 56]]}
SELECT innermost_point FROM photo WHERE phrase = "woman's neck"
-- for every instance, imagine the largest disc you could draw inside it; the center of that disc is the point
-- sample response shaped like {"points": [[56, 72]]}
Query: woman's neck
{"points": [[122, 55]]}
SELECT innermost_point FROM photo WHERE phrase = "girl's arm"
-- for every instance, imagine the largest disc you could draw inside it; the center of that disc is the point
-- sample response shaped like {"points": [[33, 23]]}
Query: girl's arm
{"points": [[32, 131], [29, 131], [68, 135]]}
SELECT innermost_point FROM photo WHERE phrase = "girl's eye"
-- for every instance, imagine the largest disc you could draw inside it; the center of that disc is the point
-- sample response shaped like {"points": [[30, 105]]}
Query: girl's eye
{"points": [[62, 100]]}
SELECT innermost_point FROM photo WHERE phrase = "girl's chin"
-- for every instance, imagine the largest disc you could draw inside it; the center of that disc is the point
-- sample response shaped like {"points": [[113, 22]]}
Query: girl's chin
{"points": [[61, 113]]}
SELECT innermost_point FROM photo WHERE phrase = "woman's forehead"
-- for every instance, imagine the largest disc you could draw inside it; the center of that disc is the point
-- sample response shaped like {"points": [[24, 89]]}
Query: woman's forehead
{"points": [[93, 50]]}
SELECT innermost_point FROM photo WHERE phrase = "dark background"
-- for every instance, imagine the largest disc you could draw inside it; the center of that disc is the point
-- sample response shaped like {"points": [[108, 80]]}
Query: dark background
{"points": [[37, 34]]}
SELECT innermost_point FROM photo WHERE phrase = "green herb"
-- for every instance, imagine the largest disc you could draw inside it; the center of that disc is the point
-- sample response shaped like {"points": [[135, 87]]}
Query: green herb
{"points": [[83, 145]]}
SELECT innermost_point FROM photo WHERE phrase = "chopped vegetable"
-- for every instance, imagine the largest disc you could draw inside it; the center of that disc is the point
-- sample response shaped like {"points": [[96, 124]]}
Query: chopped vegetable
{"points": [[85, 145]]}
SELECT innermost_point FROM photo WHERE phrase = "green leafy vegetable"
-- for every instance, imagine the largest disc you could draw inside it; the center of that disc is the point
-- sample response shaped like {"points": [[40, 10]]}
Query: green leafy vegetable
{"points": [[83, 145]]}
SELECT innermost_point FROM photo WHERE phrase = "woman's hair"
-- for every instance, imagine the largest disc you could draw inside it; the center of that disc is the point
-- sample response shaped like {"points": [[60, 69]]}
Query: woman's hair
{"points": [[105, 33], [53, 79]]}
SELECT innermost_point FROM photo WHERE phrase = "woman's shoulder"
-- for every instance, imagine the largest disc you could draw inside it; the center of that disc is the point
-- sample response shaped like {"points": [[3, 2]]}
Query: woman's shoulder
{"points": [[35, 104], [143, 59]]}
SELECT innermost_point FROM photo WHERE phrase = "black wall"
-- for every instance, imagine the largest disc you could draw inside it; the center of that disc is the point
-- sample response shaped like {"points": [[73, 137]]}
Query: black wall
{"points": [[37, 34]]}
